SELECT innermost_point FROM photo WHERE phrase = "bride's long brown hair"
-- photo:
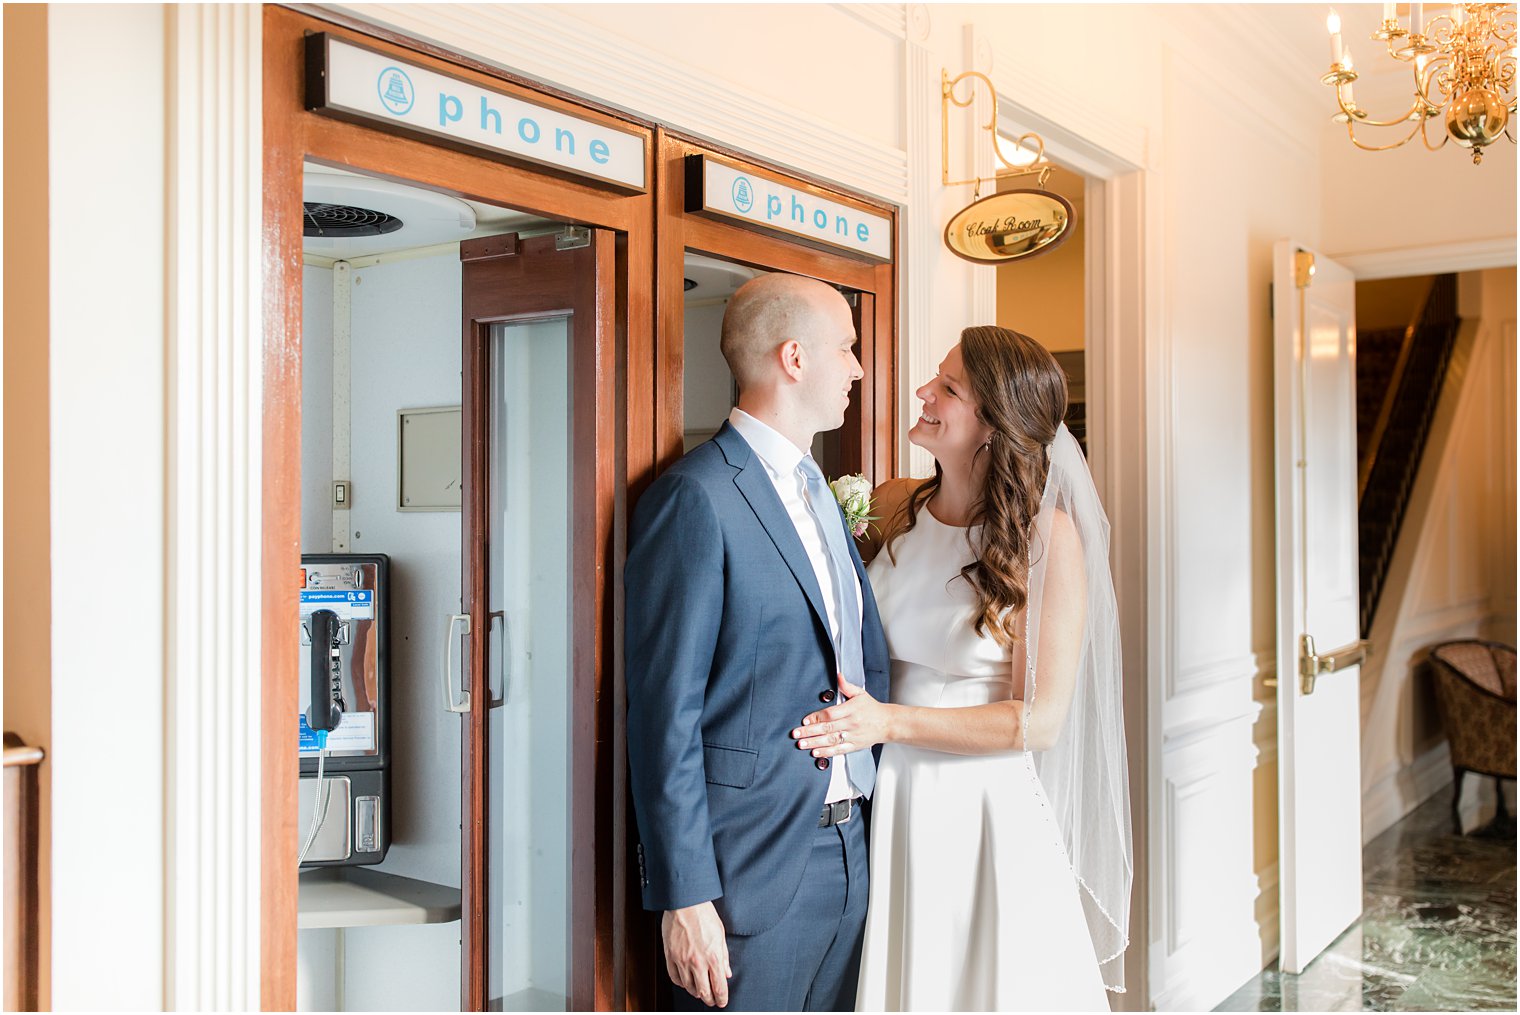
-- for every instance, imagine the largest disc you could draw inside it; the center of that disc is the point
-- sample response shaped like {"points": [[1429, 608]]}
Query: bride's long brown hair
{"points": [[1020, 392]]}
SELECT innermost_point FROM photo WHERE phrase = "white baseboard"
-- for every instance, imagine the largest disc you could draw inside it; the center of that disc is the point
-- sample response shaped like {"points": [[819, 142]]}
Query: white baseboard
{"points": [[1269, 913], [1394, 796]]}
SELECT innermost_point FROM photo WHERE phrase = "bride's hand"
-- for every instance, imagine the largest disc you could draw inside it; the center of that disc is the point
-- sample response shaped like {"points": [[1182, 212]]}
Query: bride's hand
{"points": [[858, 723]]}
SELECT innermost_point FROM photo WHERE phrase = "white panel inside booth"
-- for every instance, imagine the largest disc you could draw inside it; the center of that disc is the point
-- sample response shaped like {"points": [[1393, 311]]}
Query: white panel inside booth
{"points": [[405, 324], [316, 408]]}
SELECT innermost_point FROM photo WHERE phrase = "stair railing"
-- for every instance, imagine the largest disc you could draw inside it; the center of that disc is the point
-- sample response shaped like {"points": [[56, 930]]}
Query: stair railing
{"points": [[1385, 411]]}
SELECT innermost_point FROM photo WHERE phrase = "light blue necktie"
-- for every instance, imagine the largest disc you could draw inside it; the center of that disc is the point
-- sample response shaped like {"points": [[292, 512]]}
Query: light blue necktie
{"points": [[859, 765]]}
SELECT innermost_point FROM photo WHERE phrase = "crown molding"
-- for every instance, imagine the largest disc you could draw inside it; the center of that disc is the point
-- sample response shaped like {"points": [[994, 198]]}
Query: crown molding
{"points": [[613, 70], [1473, 255], [890, 19]]}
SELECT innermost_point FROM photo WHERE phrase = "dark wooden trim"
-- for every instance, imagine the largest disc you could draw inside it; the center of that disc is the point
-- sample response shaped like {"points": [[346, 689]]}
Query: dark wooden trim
{"points": [[475, 395], [281, 543]]}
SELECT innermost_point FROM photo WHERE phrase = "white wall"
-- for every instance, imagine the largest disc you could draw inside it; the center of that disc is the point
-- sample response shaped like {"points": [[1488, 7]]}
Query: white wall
{"points": [[106, 94], [316, 409], [1453, 572], [405, 353]]}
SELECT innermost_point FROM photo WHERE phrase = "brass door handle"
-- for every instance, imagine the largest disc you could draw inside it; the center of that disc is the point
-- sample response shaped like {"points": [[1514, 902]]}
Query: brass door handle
{"points": [[1311, 663]]}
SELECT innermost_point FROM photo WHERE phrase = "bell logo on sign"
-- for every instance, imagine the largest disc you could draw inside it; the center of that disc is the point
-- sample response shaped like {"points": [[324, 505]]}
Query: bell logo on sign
{"points": [[396, 91], [744, 194]]}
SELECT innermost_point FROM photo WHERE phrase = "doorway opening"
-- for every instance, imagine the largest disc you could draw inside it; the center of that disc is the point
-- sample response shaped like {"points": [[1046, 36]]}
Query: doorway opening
{"points": [[708, 388], [383, 392], [1046, 297]]}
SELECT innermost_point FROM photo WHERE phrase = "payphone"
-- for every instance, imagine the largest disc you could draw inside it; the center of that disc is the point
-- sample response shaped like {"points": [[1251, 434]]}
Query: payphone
{"points": [[344, 719]]}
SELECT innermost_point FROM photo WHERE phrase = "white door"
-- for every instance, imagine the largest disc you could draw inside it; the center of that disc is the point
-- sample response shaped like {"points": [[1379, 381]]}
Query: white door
{"points": [[1318, 647]]}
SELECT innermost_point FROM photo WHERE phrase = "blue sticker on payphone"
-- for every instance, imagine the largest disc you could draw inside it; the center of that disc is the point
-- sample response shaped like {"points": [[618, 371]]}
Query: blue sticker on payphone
{"points": [[351, 604]]}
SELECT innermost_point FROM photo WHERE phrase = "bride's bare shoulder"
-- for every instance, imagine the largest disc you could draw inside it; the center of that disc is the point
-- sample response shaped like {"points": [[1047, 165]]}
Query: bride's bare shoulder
{"points": [[886, 504]]}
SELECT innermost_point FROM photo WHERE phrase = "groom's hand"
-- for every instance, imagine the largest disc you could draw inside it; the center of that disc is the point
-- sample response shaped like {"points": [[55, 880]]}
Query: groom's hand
{"points": [[696, 952]]}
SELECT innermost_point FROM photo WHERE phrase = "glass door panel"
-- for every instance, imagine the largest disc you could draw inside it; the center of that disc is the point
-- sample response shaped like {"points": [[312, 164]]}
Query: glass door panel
{"points": [[530, 656]]}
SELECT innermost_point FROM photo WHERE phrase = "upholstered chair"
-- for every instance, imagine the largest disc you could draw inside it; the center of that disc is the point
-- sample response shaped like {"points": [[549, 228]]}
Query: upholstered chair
{"points": [[1475, 691]]}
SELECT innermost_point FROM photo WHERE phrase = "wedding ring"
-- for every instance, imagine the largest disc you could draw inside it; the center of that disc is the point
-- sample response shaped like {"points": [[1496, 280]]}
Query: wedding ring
{"points": [[843, 736]]}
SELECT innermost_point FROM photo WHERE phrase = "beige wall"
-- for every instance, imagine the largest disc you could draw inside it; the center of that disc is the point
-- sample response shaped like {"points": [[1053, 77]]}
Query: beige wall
{"points": [[1390, 302], [1044, 297], [28, 580], [1453, 572], [1377, 201]]}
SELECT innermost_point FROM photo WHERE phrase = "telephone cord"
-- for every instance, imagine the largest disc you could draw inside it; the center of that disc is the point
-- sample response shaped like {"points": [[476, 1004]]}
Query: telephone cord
{"points": [[319, 808]]}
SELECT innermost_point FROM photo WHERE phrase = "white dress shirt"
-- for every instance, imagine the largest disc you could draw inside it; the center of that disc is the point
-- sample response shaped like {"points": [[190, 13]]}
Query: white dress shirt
{"points": [[781, 459]]}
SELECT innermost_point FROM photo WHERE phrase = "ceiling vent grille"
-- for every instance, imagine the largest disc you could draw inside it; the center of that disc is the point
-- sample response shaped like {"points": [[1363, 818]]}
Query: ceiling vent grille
{"points": [[336, 220]]}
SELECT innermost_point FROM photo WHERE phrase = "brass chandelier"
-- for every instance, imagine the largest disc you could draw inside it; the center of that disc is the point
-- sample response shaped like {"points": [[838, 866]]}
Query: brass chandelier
{"points": [[1464, 66]]}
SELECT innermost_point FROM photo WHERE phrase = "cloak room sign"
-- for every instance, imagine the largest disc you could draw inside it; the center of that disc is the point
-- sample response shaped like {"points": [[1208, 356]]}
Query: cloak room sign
{"points": [[355, 83], [1011, 226], [754, 199]]}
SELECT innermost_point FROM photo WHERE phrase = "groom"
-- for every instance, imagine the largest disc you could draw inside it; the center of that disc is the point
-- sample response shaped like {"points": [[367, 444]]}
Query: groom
{"points": [[746, 602]]}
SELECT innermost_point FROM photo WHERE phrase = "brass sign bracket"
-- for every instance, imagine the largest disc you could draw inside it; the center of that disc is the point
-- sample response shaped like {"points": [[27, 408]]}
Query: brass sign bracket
{"points": [[1039, 168]]}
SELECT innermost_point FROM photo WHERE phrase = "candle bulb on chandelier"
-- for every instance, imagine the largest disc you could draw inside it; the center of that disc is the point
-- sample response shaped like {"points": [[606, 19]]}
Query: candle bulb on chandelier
{"points": [[1416, 18], [1333, 22], [1390, 12], [1350, 100], [1459, 14]]}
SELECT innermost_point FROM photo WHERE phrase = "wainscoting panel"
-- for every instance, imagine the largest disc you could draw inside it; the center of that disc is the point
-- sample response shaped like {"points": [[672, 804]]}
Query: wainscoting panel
{"points": [[1209, 895]]}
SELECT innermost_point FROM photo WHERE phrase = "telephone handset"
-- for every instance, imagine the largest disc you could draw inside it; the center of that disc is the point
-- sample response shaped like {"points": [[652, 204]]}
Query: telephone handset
{"points": [[328, 634]]}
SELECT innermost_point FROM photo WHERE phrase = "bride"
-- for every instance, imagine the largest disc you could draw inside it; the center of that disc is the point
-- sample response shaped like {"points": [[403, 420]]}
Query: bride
{"points": [[1000, 834]]}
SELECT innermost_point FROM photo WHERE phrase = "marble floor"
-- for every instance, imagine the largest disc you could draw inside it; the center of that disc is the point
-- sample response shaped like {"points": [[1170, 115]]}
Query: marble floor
{"points": [[1437, 934]]}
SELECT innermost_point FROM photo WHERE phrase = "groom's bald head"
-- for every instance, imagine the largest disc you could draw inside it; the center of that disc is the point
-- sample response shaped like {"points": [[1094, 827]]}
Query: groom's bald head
{"points": [[766, 313]]}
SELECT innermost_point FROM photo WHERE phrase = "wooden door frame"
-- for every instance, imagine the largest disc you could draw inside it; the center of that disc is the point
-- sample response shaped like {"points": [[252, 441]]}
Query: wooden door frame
{"points": [[293, 135], [869, 434]]}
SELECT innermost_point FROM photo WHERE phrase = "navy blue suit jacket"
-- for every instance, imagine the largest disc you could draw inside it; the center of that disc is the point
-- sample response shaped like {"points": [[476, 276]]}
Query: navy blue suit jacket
{"points": [[727, 648]]}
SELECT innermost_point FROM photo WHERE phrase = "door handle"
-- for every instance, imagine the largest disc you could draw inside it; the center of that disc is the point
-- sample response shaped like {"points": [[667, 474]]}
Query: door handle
{"points": [[503, 658], [1311, 663], [448, 664]]}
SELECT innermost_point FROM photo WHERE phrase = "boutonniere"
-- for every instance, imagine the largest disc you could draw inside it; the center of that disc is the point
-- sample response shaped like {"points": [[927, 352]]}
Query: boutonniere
{"points": [[854, 496]]}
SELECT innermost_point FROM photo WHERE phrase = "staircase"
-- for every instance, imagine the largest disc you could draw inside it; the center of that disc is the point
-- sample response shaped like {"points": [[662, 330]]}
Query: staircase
{"points": [[1399, 373]]}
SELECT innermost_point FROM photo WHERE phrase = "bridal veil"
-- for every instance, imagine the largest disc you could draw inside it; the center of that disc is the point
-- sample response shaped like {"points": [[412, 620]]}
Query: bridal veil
{"points": [[1083, 769]]}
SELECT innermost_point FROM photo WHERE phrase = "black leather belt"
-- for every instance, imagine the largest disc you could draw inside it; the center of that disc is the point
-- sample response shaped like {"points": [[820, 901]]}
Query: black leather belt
{"points": [[837, 813]]}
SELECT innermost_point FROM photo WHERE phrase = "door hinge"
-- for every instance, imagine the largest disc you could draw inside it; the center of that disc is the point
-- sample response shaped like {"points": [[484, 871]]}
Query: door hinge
{"points": [[1303, 268], [572, 238]]}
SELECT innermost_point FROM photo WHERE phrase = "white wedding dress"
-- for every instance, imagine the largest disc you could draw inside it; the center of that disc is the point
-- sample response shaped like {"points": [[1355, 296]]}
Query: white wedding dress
{"points": [[973, 903]]}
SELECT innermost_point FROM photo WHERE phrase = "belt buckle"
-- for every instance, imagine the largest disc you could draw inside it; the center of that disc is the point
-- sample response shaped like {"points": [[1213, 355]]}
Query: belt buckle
{"points": [[847, 805]]}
